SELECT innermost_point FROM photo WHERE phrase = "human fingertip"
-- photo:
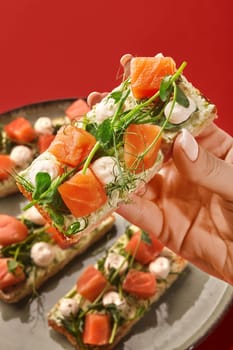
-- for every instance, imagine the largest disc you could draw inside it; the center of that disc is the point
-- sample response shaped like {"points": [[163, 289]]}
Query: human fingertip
{"points": [[95, 97], [188, 144], [125, 59]]}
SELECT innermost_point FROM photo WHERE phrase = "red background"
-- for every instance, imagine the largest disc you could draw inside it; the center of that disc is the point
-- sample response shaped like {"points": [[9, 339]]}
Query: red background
{"points": [[57, 49]]}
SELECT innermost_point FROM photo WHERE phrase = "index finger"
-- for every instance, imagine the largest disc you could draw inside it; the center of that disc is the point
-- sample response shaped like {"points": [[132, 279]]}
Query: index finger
{"points": [[125, 62]]}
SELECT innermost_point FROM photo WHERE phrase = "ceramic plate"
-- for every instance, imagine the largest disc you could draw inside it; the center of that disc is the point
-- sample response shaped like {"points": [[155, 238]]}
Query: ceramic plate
{"points": [[180, 320]]}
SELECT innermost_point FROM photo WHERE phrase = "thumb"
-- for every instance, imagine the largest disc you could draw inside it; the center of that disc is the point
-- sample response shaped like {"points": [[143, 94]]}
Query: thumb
{"points": [[202, 167]]}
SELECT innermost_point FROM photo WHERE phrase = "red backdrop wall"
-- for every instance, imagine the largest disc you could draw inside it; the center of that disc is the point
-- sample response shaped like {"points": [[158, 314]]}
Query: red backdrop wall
{"points": [[58, 49], [55, 49]]}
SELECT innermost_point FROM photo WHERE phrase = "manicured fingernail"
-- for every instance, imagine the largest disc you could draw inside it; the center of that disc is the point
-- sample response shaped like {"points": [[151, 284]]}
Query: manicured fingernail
{"points": [[189, 145]]}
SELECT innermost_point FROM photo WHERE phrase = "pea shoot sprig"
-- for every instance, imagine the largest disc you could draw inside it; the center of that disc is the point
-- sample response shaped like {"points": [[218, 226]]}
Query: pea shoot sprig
{"points": [[110, 139], [109, 130]]}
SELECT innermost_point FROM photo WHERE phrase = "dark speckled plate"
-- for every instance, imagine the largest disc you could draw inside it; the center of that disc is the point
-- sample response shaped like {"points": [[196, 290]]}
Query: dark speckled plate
{"points": [[183, 316]]}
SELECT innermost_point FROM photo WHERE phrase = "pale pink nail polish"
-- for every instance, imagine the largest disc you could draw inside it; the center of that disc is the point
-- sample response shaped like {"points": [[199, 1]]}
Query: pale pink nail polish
{"points": [[189, 145]]}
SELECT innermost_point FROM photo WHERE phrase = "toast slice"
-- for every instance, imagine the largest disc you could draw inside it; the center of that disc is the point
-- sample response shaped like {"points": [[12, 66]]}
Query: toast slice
{"points": [[121, 301], [37, 275], [95, 163], [20, 143]]}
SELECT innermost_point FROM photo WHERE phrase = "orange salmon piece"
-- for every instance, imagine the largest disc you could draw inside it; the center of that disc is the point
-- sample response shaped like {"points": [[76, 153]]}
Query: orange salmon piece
{"points": [[142, 251], [137, 138], [72, 145], [77, 109], [6, 166], [44, 141], [20, 130], [139, 283], [7, 278], [97, 329], [91, 283], [147, 73], [11, 230], [83, 193]]}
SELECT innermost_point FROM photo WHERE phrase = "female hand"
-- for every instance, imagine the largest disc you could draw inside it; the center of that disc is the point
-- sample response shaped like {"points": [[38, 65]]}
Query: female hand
{"points": [[188, 205]]}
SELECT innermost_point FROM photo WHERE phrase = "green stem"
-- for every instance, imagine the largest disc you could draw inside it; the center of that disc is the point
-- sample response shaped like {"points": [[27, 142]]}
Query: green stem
{"points": [[90, 156], [142, 155], [151, 99], [138, 107], [116, 155], [164, 124], [135, 252], [16, 253], [122, 101], [179, 71], [113, 334]]}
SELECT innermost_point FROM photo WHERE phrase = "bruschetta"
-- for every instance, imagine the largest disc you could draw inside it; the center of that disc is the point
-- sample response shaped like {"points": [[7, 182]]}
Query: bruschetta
{"points": [[111, 296], [97, 161], [31, 253], [21, 142]]}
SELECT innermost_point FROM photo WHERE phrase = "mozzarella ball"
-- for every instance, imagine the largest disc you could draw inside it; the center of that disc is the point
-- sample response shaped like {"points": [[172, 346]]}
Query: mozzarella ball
{"points": [[179, 113], [160, 267], [44, 166], [33, 215], [105, 168], [21, 155], [68, 307], [42, 254], [114, 298], [44, 125], [116, 261]]}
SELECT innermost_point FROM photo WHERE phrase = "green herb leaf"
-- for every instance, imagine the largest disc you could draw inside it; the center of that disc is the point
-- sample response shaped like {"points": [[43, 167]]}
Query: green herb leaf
{"points": [[73, 228], [146, 238], [21, 251], [43, 181], [92, 128], [56, 217], [140, 312], [129, 232], [104, 133], [76, 227], [181, 98], [165, 88], [69, 326], [23, 182], [12, 265], [81, 325], [116, 316], [116, 95]]}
